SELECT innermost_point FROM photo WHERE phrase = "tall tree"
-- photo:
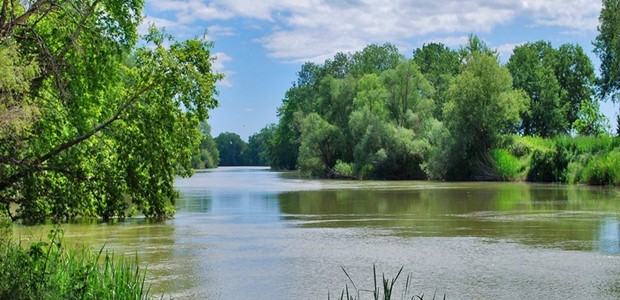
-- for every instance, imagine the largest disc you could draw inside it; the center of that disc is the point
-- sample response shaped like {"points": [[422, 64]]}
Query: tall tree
{"points": [[532, 68], [257, 153], [114, 123], [440, 65], [607, 47], [482, 106]]}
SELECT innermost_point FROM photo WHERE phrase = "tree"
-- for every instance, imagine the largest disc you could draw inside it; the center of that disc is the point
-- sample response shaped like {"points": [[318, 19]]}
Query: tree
{"points": [[113, 124], [410, 95], [440, 65], [298, 101], [208, 156], [482, 106], [607, 47], [374, 59], [533, 69], [231, 148], [257, 153], [317, 153], [575, 74]]}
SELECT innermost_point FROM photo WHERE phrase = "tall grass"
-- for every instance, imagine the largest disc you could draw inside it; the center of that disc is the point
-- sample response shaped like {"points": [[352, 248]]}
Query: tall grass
{"points": [[50, 270], [385, 290], [565, 159]]}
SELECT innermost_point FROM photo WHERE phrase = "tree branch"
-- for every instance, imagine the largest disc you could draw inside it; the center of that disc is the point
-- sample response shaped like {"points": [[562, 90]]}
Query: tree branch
{"points": [[34, 8], [35, 165]]}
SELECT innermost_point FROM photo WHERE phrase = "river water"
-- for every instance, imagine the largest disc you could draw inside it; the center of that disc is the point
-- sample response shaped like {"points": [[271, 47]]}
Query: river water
{"points": [[249, 233]]}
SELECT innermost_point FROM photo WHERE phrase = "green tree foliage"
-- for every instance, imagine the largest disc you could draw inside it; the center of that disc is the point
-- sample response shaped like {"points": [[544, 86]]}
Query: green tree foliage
{"points": [[607, 47], [482, 106], [560, 85], [381, 118], [231, 148], [532, 68], [257, 153], [208, 156], [317, 153], [297, 102], [575, 74], [110, 124], [440, 65]]}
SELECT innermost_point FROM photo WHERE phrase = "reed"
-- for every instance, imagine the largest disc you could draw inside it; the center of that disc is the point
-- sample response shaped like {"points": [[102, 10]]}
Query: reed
{"points": [[384, 291], [51, 270]]}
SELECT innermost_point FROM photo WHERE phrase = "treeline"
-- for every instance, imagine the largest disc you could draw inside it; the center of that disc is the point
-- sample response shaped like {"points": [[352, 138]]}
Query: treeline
{"points": [[447, 114], [228, 149]]}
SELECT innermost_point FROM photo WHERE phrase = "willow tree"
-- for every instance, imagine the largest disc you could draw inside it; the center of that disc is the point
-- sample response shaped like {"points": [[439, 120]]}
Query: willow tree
{"points": [[482, 105], [104, 125]]}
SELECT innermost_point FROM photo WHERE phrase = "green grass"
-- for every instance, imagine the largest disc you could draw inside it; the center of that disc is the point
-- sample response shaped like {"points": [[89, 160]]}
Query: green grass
{"points": [[51, 270], [564, 159], [384, 290]]}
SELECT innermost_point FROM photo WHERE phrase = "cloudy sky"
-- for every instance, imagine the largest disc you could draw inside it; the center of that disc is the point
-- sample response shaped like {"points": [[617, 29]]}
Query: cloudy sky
{"points": [[261, 44]]}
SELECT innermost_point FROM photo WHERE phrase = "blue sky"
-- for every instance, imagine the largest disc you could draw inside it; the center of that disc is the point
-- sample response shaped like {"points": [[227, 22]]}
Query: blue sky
{"points": [[260, 45]]}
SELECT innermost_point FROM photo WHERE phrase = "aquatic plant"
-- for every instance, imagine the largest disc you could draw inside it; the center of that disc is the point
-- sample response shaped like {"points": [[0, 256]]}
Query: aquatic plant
{"points": [[384, 291]]}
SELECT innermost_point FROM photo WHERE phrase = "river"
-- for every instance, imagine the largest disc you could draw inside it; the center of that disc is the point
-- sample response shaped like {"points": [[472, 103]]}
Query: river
{"points": [[249, 233]]}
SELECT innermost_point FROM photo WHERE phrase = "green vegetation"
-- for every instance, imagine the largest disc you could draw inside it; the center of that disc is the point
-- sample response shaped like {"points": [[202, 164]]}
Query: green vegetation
{"points": [[234, 151], [49, 270], [93, 123], [209, 155], [447, 114], [385, 290]]}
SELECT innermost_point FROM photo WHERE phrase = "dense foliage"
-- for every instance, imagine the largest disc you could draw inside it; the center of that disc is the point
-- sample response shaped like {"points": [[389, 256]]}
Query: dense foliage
{"points": [[91, 124], [234, 151], [607, 47], [209, 156], [443, 114]]}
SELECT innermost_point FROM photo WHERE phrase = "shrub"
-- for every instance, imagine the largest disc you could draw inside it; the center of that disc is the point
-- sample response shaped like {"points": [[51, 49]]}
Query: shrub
{"points": [[507, 166], [603, 169]]}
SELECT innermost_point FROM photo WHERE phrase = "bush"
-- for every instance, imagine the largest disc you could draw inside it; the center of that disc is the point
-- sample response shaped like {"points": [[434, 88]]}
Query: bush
{"points": [[343, 170], [507, 166], [603, 169], [48, 270]]}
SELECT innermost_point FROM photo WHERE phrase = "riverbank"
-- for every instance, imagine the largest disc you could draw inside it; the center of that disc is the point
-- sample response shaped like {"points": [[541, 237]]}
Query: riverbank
{"points": [[571, 160]]}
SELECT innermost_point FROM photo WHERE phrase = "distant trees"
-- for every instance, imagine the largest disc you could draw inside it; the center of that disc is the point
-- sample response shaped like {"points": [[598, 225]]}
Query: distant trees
{"points": [[208, 156], [231, 148], [233, 151]]}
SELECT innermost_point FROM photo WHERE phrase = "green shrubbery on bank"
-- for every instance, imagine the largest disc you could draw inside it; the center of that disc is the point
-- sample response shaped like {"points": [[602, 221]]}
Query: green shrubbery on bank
{"points": [[50, 270], [564, 159]]}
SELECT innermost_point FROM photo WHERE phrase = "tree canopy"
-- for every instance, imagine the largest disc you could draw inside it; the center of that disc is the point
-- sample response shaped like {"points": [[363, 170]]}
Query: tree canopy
{"points": [[98, 124], [440, 114]]}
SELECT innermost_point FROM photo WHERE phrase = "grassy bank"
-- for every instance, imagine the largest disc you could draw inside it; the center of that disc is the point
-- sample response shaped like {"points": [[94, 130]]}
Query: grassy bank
{"points": [[47, 269], [586, 160]]}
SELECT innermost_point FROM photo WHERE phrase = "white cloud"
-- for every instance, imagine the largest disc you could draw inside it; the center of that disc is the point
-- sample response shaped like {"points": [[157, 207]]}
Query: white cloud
{"points": [[219, 59], [316, 29], [505, 50]]}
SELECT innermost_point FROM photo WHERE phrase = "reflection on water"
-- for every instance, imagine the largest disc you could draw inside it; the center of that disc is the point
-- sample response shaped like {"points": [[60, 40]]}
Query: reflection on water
{"points": [[609, 236], [248, 233]]}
